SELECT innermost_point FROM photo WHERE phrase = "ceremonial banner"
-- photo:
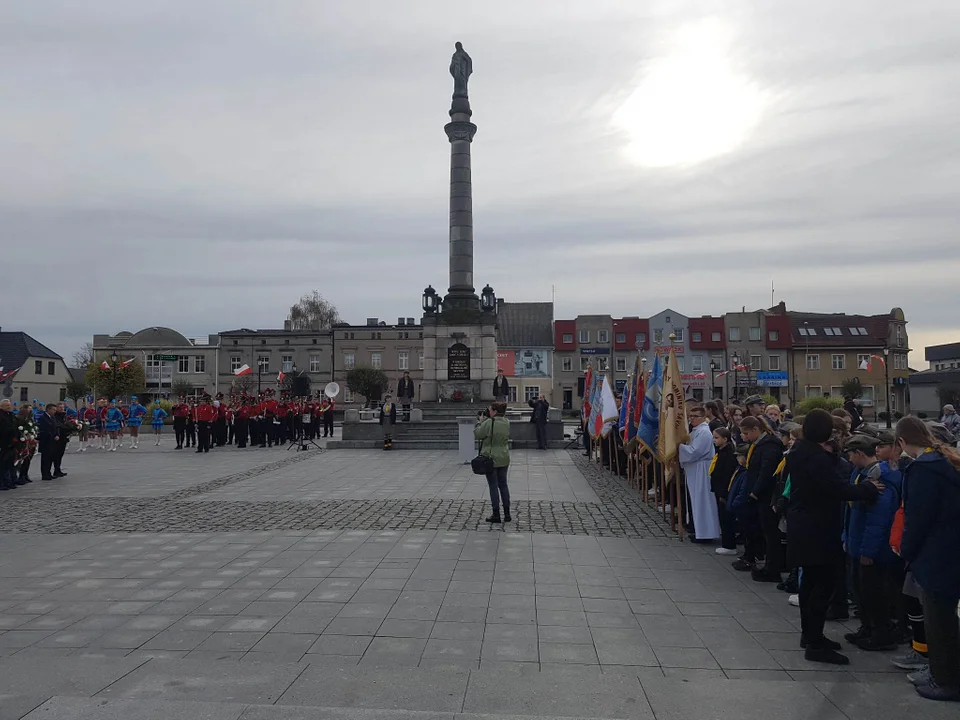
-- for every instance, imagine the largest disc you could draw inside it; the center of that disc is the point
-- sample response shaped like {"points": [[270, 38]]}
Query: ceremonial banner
{"points": [[649, 428], [587, 390], [596, 403], [608, 413], [637, 389], [673, 417]]}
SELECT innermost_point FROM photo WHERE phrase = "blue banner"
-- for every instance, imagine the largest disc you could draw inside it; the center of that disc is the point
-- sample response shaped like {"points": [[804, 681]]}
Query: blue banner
{"points": [[649, 428]]}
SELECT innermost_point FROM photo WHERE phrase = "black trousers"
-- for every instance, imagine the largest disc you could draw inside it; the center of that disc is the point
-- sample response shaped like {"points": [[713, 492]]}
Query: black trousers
{"points": [[47, 451], [240, 431], [541, 435], [191, 434], [499, 492], [816, 587], [59, 449], [203, 437], [406, 409], [878, 592], [728, 527], [770, 526], [7, 472], [25, 467], [328, 424], [943, 638], [753, 545], [220, 432], [255, 424], [180, 430]]}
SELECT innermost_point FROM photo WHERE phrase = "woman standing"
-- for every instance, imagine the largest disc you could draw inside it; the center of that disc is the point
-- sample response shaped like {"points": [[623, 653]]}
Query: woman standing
{"points": [[736, 417], [135, 420], [388, 418], [159, 415], [493, 432], [722, 469], [114, 421], [931, 536]]}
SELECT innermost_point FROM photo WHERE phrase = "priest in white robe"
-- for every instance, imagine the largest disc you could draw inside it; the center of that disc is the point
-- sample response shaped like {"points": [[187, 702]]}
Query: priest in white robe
{"points": [[695, 458]]}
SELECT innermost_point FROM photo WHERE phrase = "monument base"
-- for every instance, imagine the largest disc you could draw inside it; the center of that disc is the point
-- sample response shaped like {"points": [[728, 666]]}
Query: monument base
{"points": [[443, 346]]}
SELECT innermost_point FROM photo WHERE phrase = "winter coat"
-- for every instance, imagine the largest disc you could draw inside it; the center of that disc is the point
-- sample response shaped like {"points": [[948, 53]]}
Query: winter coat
{"points": [[762, 466], [868, 523], [722, 468], [931, 531], [494, 436], [738, 495], [815, 512]]}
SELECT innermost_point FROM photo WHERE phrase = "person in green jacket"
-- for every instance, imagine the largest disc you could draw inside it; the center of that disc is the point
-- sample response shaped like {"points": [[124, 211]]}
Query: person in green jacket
{"points": [[493, 432]]}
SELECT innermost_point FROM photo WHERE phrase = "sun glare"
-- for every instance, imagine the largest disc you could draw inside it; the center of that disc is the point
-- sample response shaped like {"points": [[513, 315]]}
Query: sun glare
{"points": [[691, 104]]}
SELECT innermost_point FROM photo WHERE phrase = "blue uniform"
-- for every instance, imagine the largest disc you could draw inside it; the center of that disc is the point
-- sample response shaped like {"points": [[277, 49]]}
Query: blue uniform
{"points": [[135, 415], [158, 416], [114, 419]]}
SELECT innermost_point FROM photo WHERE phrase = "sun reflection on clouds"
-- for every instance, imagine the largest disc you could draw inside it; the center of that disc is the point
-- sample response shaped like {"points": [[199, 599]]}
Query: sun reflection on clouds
{"points": [[692, 103]]}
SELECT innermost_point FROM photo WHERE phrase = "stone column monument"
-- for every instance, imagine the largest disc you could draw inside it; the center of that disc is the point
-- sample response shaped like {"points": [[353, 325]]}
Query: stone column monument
{"points": [[459, 331]]}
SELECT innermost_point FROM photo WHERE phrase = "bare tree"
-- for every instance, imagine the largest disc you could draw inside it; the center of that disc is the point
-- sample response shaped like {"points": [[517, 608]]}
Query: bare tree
{"points": [[84, 356], [313, 311]]}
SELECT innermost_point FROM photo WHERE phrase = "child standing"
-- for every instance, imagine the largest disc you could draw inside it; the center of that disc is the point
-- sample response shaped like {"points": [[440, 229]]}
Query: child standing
{"points": [[159, 414]]}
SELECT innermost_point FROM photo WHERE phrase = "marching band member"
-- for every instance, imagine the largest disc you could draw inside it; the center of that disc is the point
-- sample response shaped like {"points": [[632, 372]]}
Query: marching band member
{"points": [[159, 415], [388, 418], [191, 427], [271, 424], [89, 416], [206, 413], [102, 424], [241, 422], [328, 416], [124, 411], [113, 421], [135, 420], [180, 412]]}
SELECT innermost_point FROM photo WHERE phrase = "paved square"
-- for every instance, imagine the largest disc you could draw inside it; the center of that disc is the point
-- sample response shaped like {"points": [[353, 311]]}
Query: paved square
{"points": [[266, 584]]}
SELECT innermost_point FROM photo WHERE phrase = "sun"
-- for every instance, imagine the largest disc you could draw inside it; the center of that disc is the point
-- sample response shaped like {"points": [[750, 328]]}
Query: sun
{"points": [[691, 104]]}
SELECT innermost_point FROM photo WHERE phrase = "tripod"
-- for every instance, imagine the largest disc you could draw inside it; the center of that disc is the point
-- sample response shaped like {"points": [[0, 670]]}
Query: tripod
{"points": [[299, 440]]}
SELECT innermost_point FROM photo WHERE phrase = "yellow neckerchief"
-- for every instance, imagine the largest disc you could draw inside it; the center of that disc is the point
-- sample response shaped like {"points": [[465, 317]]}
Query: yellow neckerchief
{"points": [[735, 473], [783, 464], [386, 408], [713, 464]]}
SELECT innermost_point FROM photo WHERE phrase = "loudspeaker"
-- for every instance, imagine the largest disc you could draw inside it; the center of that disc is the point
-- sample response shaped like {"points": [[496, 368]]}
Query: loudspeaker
{"points": [[301, 385]]}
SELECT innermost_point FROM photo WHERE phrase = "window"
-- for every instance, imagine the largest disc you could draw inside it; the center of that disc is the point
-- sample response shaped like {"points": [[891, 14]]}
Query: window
{"points": [[641, 339], [584, 336], [828, 331], [733, 334], [755, 362], [24, 394], [697, 337], [403, 360], [314, 363], [621, 338], [678, 335], [183, 363], [863, 330], [774, 362], [603, 336], [838, 362], [513, 394], [808, 331], [263, 362], [621, 364], [199, 363], [867, 399], [717, 361], [531, 392], [813, 362], [658, 336], [286, 363], [38, 367], [263, 342], [235, 362], [420, 361], [602, 365], [151, 363], [697, 363], [348, 361], [567, 338], [51, 367], [236, 342], [584, 362], [347, 395], [63, 394], [716, 337], [814, 391], [836, 391], [668, 320], [680, 363], [567, 364], [899, 361], [754, 334], [862, 361], [773, 335], [375, 360]]}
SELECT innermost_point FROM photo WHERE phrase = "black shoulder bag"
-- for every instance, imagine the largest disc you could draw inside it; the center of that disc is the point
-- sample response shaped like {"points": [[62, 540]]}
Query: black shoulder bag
{"points": [[481, 464]]}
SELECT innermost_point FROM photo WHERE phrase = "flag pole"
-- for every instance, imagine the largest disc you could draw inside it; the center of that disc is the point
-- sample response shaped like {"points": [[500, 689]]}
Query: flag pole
{"points": [[681, 491]]}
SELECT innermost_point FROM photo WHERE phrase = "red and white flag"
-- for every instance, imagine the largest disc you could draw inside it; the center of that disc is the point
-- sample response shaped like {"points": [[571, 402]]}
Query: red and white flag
{"points": [[125, 363], [4, 376], [867, 363], [105, 365], [243, 370], [280, 376]]}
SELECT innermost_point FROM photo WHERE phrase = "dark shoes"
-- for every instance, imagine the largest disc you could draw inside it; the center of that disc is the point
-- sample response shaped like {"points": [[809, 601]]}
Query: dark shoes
{"points": [[506, 517], [878, 642], [938, 692], [764, 576], [836, 613], [494, 519], [741, 565], [822, 643], [59, 474], [825, 655], [854, 638]]}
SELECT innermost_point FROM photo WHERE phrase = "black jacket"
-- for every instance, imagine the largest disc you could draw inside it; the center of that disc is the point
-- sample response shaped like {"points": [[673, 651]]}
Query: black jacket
{"points": [[762, 468], [502, 389], [539, 414], [723, 470], [8, 432], [47, 428], [405, 389], [857, 420], [815, 513], [392, 414]]}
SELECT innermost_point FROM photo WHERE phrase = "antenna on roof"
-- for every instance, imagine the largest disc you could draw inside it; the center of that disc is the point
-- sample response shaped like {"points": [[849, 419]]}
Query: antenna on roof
{"points": [[772, 294]]}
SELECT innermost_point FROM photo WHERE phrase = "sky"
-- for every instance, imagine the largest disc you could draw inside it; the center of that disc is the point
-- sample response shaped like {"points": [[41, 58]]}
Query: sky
{"points": [[201, 164]]}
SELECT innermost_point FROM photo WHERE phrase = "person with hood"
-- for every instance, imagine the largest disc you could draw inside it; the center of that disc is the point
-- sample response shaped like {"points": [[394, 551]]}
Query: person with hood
{"points": [[931, 537], [814, 529]]}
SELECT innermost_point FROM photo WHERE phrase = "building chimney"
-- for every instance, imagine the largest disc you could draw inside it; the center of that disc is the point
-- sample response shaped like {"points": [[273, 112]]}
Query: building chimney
{"points": [[372, 322], [411, 321], [287, 325], [401, 321]]}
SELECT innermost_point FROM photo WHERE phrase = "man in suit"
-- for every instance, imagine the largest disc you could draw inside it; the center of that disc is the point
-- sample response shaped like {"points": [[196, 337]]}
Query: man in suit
{"points": [[48, 439], [538, 417]]}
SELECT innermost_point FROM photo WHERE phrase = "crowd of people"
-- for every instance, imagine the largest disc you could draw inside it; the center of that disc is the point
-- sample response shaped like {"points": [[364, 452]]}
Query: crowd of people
{"points": [[847, 519]]}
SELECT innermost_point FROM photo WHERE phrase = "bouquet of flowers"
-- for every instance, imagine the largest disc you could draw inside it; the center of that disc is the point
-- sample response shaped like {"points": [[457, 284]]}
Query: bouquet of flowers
{"points": [[26, 440], [457, 396]]}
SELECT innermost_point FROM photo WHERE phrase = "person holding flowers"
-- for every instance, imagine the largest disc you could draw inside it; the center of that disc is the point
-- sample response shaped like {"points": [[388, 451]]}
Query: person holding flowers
{"points": [[27, 446]]}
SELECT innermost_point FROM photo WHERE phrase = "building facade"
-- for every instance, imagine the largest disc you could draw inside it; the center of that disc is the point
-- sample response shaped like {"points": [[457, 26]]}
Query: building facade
{"points": [[757, 352], [942, 357], [167, 356], [42, 374], [270, 352], [395, 349], [525, 350]]}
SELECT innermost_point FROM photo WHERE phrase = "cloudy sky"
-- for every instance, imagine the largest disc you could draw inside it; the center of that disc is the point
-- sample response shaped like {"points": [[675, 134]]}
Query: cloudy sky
{"points": [[201, 164]]}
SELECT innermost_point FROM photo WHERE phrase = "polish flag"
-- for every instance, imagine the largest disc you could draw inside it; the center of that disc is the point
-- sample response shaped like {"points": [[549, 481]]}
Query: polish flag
{"points": [[242, 370], [105, 365], [280, 377], [125, 363], [4, 376], [865, 364], [700, 376]]}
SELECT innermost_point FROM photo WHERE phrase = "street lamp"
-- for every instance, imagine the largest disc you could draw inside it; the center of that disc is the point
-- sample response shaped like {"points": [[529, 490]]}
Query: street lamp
{"points": [[735, 359], [114, 358], [488, 300], [886, 380], [713, 369], [429, 302]]}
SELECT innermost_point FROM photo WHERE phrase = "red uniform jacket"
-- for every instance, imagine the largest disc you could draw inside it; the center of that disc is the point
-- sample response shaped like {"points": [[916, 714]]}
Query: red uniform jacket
{"points": [[206, 413], [181, 410]]}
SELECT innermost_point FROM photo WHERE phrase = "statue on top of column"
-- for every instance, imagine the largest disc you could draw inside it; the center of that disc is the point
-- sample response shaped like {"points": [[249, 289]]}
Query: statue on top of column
{"points": [[461, 67]]}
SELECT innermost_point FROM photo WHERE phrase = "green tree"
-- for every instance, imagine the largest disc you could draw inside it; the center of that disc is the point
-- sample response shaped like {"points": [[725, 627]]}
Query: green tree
{"points": [[313, 311], [84, 356], [243, 385], [852, 387], [369, 382], [77, 389], [823, 403], [181, 388], [117, 381]]}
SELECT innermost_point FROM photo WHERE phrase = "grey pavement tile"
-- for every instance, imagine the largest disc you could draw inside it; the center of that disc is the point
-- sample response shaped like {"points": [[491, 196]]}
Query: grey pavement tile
{"points": [[16, 639], [341, 645], [568, 691], [551, 652], [670, 632], [177, 640], [66, 676], [353, 626], [512, 602], [228, 681], [884, 702], [14, 706], [831, 676], [558, 590], [406, 628], [514, 617], [741, 658], [201, 622], [457, 631], [452, 650], [693, 674], [391, 651], [674, 657], [123, 639], [568, 618], [405, 611], [564, 634], [364, 610], [600, 620], [548, 602], [510, 650], [70, 639], [233, 656], [231, 641], [249, 624], [289, 712], [780, 675], [459, 613], [96, 709], [400, 688]]}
